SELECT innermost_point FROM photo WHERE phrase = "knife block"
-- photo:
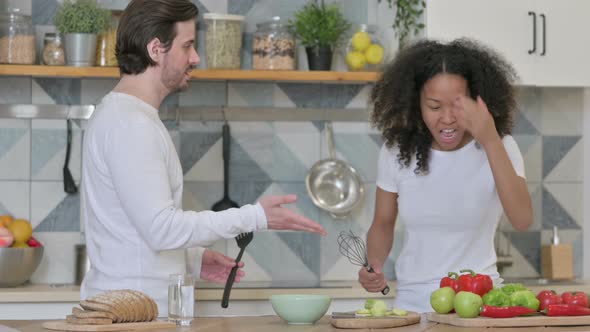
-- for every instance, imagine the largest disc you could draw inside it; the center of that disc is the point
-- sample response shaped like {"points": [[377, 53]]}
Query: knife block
{"points": [[557, 261]]}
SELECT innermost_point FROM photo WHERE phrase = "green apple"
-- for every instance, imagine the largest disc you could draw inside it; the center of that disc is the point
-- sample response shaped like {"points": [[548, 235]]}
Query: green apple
{"points": [[467, 304], [441, 300]]}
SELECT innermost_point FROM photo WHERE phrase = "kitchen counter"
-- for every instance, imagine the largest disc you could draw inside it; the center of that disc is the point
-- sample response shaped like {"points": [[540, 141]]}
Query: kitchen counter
{"points": [[273, 324], [244, 290], [246, 299]]}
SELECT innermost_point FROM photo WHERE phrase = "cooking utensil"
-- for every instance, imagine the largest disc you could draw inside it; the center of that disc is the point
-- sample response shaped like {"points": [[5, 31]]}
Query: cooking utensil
{"points": [[353, 248], [225, 203], [82, 263], [242, 240], [69, 184], [332, 184]]}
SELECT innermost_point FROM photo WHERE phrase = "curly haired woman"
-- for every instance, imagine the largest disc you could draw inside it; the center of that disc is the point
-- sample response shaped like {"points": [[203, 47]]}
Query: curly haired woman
{"points": [[448, 167]]}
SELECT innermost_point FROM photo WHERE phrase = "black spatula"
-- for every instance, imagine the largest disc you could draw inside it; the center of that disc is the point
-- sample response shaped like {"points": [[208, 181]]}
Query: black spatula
{"points": [[225, 203], [69, 184]]}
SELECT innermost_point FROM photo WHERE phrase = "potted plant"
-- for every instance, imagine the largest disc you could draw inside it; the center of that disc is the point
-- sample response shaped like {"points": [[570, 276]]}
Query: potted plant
{"points": [[80, 21], [320, 28], [407, 18]]}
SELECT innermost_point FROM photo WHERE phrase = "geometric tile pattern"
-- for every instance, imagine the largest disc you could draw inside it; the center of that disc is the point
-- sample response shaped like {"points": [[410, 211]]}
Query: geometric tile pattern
{"points": [[43, 11], [554, 150], [273, 158]]}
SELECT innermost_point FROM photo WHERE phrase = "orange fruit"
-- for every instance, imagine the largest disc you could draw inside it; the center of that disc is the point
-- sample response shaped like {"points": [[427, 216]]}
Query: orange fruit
{"points": [[6, 220], [20, 245], [21, 229]]}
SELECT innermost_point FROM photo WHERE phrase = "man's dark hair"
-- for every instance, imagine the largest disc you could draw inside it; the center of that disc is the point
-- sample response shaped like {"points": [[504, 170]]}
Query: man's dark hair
{"points": [[144, 20], [396, 95]]}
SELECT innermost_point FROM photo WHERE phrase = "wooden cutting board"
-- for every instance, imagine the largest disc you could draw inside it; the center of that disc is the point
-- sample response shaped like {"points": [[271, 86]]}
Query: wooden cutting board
{"points": [[538, 320], [376, 322], [62, 325]]}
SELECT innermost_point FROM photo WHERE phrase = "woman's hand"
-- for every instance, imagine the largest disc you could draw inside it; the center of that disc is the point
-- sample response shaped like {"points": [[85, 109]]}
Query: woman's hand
{"points": [[474, 116], [372, 281]]}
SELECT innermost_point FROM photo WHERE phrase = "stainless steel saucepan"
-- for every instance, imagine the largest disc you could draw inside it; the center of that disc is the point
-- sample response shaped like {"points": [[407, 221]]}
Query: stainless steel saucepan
{"points": [[333, 184]]}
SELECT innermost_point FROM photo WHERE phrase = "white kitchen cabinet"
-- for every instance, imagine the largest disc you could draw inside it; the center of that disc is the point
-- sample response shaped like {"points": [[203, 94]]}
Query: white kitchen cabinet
{"points": [[545, 40]]}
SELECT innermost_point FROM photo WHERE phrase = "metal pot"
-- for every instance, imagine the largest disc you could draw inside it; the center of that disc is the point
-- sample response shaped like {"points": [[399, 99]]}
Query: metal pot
{"points": [[332, 184], [82, 263]]}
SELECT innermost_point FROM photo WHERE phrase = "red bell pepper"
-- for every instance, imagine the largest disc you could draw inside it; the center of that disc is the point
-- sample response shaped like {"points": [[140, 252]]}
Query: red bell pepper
{"points": [[479, 284], [547, 297], [505, 312], [450, 281], [575, 298], [566, 310]]}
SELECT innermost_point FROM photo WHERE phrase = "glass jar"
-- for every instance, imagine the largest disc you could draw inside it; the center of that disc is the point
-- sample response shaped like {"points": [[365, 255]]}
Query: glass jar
{"points": [[17, 38], [273, 46], [53, 51], [364, 50], [223, 40], [106, 43]]}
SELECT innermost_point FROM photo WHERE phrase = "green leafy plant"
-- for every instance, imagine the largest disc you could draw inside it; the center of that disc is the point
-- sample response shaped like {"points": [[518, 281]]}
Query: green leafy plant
{"points": [[407, 16], [81, 16], [319, 24]]}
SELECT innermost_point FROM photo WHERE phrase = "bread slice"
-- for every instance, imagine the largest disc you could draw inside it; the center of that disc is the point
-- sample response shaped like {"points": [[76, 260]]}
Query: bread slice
{"points": [[88, 321], [80, 313]]}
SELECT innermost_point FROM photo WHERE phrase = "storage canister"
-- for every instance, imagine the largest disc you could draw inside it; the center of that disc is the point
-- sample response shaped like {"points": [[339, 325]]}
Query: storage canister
{"points": [[53, 51], [17, 38], [106, 43], [223, 40], [273, 46]]}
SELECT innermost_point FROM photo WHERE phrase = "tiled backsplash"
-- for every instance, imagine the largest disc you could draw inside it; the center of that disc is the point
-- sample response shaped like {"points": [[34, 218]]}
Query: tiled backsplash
{"points": [[273, 158]]}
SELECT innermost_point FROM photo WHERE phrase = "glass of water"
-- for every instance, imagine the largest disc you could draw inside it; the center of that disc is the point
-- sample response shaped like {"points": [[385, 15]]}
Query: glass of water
{"points": [[181, 299]]}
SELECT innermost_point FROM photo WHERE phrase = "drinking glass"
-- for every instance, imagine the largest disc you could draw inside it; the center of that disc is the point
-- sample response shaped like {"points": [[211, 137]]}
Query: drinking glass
{"points": [[181, 299]]}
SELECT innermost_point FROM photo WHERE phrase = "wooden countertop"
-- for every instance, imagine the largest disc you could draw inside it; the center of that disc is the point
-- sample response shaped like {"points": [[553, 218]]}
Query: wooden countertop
{"points": [[274, 323], [42, 293]]}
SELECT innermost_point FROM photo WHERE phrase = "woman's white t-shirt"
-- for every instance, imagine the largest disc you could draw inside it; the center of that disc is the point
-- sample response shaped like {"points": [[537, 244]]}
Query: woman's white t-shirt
{"points": [[449, 217]]}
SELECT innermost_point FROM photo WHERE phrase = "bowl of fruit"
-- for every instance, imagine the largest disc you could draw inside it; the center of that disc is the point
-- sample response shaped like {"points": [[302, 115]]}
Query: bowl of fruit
{"points": [[20, 252]]}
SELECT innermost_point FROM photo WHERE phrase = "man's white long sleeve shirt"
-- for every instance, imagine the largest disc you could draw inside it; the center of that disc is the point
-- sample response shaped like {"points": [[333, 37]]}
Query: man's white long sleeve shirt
{"points": [[132, 182]]}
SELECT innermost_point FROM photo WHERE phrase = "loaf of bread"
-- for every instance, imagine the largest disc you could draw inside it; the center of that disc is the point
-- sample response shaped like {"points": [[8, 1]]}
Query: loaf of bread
{"points": [[117, 306]]}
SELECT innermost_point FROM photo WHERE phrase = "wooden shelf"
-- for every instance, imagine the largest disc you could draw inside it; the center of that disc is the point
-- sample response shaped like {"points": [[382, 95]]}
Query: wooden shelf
{"points": [[198, 74]]}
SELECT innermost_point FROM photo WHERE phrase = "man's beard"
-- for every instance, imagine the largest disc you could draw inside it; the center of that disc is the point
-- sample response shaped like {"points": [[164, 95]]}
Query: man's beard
{"points": [[174, 81]]}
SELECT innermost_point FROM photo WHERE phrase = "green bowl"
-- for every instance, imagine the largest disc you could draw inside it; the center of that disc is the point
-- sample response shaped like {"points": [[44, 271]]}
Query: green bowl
{"points": [[300, 309]]}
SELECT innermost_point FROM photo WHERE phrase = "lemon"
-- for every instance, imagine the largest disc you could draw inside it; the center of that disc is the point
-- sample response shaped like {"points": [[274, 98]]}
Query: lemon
{"points": [[21, 229], [374, 54], [355, 60], [360, 41]]}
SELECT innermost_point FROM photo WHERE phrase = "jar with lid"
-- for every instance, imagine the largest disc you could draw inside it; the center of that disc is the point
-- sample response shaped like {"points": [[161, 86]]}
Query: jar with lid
{"points": [[106, 43], [273, 46], [17, 38], [364, 50], [53, 51], [223, 40]]}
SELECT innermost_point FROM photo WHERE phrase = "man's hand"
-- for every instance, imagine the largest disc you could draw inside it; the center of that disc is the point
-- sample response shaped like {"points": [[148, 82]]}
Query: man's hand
{"points": [[216, 267], [281, 218]]}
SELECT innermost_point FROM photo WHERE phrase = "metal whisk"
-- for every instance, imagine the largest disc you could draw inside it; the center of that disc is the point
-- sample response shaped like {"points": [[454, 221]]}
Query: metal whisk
{"points": [[353, 247]]}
